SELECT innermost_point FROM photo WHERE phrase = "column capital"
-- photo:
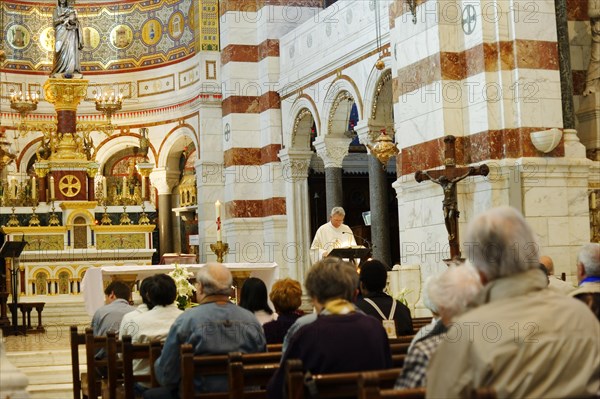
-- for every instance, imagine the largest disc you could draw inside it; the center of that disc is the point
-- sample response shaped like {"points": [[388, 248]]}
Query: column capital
{"points": [[368, 131], [164, 180], [332, 150], [295, 163]]}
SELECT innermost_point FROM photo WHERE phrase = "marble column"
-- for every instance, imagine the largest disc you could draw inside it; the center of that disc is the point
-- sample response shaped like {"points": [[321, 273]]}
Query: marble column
{"points": [[333, 150], [295, 173], [164, 181], [378, 197], [564, 59]]}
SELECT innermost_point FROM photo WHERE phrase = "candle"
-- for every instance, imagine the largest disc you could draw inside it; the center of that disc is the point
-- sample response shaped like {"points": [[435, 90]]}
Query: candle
{"points": [[218, 212], [124, 186], [52, 187], [33, 188], [143, 188], [593, 200], [104, 188]]}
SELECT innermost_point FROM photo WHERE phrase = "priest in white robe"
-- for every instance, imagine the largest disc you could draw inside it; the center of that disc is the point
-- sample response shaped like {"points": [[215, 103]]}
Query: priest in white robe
{"points": [[331, 235]]}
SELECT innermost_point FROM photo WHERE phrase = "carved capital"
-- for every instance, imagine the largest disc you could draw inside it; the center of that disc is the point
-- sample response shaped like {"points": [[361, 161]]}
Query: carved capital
{"points": [[65, 94], [332, 150], [164, 180], [295, 164]]}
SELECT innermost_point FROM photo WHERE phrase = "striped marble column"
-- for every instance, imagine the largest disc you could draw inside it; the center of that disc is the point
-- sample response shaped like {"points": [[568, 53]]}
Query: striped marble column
{"points": [[255, 222]]}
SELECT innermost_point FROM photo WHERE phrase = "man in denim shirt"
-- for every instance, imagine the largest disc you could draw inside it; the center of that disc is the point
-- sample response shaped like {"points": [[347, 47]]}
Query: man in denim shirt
{"points": [[215, 326]]}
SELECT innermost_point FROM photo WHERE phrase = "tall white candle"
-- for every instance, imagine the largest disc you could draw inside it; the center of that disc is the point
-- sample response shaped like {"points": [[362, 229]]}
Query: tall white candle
{"points": [[124, 186], [143, 188], [218, 213], [33, 188], [104, 188], [52, 187]]}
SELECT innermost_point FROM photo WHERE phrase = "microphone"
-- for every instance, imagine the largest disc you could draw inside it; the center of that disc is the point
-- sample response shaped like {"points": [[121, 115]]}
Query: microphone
{"points": [[364, 240]]}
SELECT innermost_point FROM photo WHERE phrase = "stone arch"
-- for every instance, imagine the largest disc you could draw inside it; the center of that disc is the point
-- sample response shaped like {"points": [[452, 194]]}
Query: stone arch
{"points": [[173, 144], [64, 277], [114, 144], [41, 279], [341, 89], [376, 79], [25, 156], [304, 114]]}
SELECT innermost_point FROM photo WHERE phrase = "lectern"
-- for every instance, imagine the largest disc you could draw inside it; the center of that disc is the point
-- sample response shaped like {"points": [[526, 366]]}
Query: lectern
{"points": [[12, 250], [351, 253]]}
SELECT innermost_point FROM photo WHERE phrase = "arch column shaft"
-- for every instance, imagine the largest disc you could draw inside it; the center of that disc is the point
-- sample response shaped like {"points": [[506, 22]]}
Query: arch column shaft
{"points": [[333, 150], [165, 224], [334, 192], [380, 214]]}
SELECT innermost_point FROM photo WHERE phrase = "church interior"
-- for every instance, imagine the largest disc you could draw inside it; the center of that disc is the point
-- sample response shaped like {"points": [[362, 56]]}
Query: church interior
{"points": [[198, 122]]}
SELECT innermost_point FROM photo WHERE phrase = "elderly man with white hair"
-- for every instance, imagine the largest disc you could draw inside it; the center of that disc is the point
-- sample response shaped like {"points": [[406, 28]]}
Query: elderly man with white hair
{"points": [[331, 235], [451, 292], [521, 340], [588, 274]]}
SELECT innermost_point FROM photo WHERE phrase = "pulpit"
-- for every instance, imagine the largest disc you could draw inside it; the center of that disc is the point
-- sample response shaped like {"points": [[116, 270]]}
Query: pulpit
{"points": [[12, 250], [351, 253]]}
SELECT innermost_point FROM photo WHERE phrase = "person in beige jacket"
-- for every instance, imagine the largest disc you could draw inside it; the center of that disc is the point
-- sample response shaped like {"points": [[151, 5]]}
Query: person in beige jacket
{"points": [[521, 340]]}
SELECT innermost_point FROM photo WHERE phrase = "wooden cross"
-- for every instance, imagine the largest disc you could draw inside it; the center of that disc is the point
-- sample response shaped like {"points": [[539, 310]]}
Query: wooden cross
{"points": [[447, 179]]}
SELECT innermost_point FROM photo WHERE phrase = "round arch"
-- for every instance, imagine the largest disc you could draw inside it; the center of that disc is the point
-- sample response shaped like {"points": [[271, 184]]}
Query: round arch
{"points": [[376, 79], [173, 144], [301, 109], [341, 89]]}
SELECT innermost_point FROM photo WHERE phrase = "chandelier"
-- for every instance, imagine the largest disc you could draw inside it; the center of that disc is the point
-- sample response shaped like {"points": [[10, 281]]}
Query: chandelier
{"points": [[109, 104], [24, 103]]}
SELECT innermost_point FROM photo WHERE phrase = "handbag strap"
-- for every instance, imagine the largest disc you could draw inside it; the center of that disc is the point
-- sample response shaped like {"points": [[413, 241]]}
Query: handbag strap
{"points": [[392, 310]]}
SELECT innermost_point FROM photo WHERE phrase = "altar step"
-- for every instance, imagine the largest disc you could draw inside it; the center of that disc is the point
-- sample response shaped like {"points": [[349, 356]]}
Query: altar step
{"points": [[60, 311], [48, 371]]}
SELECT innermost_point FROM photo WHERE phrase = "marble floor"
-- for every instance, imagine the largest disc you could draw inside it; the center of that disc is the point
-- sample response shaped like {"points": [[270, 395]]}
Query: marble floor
{"points": [[54, 338]]}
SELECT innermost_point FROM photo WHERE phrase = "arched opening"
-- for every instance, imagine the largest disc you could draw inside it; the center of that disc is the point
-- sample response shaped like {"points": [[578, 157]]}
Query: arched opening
{"points": [[80, 236]]}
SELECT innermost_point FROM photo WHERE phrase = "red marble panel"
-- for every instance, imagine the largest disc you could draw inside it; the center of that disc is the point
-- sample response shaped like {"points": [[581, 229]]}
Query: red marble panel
{"points": [[242, 156], [579, 82], [237, 5], [454, 65], [240, 105], [483, 146], [419, 74], [67, 121], [256, 208], [577, 10], [269, 100], [269, 153], [80, 175], [507, 56], [268, 48], [239, 53], [533, 54], [475, 58], [274, 206]]}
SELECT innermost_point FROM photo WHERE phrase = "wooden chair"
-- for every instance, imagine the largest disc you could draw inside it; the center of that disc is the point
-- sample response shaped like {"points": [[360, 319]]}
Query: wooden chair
{"points": [[207, 365], [249, 373], [131, 352], [77, 340], [90, 383], [370, 387], [335, 385]]}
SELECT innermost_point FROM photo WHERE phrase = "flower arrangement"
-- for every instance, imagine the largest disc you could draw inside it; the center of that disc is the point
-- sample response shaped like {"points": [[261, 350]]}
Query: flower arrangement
{"points": [[185, 290]]}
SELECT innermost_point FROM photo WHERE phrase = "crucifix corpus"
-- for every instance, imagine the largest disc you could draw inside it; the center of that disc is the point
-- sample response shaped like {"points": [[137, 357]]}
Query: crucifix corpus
{"points": [[447, 179]]}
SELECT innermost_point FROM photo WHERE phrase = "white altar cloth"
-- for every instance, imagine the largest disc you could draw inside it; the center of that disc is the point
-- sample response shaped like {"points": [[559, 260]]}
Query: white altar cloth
{"points": [[93, 288]]}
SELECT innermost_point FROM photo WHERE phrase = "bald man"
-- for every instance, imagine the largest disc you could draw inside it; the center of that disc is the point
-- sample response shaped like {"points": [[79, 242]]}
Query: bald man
{"points": [[554, 283], [215, 326]]}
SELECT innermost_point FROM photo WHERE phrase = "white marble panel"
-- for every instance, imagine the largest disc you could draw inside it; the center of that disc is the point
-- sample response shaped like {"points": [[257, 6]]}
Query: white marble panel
{"points": [[579, 231], [270, 122], [268, 73], [238, 28], [539, 226], [542, 201], [417, 48], [534, 84], [558, 231], [236, 74], [477, 118], [421, 128], [545, 113], [536, 26], [276, 21]]}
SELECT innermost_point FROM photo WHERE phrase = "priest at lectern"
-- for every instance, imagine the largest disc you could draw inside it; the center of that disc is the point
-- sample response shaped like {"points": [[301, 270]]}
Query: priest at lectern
{"points": [[331, 235]]}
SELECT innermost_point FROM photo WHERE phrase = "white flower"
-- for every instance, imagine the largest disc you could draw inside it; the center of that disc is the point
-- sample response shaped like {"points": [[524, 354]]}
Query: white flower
{"points": [[185, 290]]}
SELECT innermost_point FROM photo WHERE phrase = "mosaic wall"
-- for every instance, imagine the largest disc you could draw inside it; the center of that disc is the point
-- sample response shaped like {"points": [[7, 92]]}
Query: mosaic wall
{"points": [[121, 35]]}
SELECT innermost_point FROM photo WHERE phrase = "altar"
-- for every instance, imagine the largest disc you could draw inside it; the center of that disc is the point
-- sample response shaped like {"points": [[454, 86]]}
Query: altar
{"points": [[94, 278]]}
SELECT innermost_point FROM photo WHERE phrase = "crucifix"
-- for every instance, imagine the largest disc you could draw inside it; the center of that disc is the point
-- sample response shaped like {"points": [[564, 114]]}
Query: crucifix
{"points": [[447, 178]]}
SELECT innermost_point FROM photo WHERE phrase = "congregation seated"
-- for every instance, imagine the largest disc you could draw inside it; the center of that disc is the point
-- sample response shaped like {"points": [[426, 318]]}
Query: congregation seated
{"points": [[215, 326], [333, 339], [588, 274], [145, 306], [286, 296], [108, 317], [155, 323], [522, 340], [254, 298], [555, 283], [376, 303], [450, 292]]}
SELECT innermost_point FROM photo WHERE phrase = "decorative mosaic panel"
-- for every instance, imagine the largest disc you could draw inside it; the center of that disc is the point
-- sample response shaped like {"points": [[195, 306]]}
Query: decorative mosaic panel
{"points": [[43, 242], [121, 241], [117, 35], [209, 25]]}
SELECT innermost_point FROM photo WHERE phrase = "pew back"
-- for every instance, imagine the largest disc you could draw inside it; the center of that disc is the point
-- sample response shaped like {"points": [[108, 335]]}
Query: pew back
{"points": [[249, 373]]}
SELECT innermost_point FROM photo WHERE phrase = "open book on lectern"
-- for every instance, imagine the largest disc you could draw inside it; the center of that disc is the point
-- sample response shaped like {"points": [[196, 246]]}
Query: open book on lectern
{"points": [[353, 252]]}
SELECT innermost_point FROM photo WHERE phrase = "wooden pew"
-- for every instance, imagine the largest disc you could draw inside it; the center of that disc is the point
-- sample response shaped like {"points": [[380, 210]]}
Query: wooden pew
{"points": [[91, 386], [114, 366], [403, 339], [131, 352], [274, 347], [205, 365], [335, 385], [249, 373], [370, 387], [77, 339]]}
